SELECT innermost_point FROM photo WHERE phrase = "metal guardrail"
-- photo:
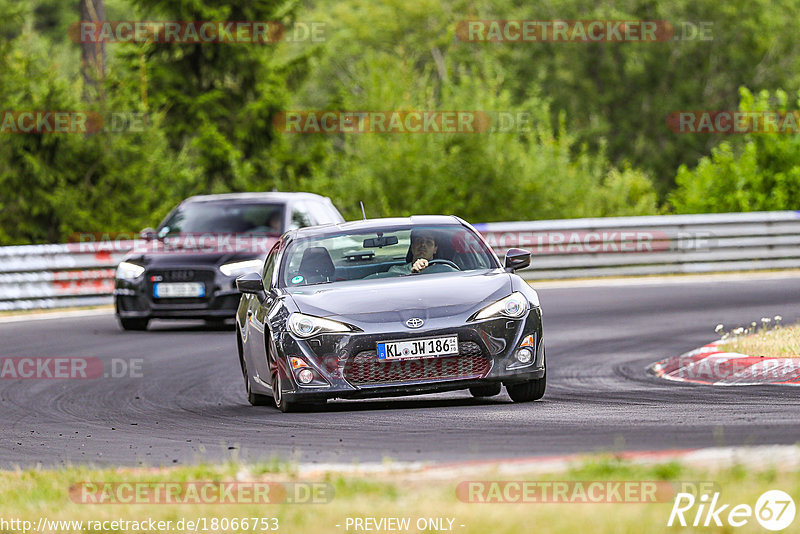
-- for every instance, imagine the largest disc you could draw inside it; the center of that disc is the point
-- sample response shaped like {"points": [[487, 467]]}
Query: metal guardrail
{"points": [[664, 244], [77, 274], [55, 276]]}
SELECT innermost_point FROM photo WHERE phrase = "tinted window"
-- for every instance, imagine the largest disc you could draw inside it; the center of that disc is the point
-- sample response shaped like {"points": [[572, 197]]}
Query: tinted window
{"points": [[224, 217]]}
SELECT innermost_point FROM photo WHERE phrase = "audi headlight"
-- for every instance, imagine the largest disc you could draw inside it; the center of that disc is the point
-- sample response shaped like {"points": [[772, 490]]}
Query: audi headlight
{"points": [[129, 271], [241, 267], [513, 306], [304, 326]]}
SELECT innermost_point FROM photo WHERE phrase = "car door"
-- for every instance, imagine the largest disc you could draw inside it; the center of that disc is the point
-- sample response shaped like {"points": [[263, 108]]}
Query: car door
{"points": [[257, 319]]}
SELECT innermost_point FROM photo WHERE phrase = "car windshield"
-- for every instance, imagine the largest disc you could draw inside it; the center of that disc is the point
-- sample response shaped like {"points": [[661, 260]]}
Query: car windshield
{"points": [[224, 217], [387, 253]]}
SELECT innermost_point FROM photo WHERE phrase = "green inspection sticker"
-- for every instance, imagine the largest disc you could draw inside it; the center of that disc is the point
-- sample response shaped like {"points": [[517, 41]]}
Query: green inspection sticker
{"points": [[297, 279]]}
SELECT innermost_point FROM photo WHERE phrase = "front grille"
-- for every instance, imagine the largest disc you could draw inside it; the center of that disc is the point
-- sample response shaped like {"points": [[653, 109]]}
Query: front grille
{"points": [[365, 367], [181, 275]]}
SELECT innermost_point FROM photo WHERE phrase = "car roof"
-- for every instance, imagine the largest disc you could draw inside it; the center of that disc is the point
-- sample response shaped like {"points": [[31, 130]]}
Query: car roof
{"points": [[271, 196], [377, 224]]}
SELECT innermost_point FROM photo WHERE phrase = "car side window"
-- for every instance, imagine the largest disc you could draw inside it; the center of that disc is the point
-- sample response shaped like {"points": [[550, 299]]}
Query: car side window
{"points": [[269, 265], [300, 216]]}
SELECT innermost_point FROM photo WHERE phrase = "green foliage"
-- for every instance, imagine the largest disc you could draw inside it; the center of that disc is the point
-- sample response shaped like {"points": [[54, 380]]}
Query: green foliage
{"points": [[623, 92], [56, 184], [759, 172], [595, 144], [536, 171], [217, 98]]}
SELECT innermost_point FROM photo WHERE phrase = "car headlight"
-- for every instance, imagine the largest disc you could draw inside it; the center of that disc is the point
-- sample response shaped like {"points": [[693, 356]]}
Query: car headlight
{"points": [[241, 267], [304, 326], [513, 306], [129, 271]]}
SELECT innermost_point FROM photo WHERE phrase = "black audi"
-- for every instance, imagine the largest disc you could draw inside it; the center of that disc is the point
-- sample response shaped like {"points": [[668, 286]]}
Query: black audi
{"points": [[388, 307], [186, 269]]}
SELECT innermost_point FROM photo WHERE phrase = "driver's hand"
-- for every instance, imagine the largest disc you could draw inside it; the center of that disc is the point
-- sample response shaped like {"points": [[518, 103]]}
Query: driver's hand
{"points": [[419, 265]]}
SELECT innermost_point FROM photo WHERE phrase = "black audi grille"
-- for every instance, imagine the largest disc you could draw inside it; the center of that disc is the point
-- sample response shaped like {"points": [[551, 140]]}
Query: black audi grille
{"points": [[365, 367], [182, 275]]}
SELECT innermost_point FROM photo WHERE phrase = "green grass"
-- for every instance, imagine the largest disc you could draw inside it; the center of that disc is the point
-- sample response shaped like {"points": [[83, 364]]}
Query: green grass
{"points": [[32, 493], [783, 342]]}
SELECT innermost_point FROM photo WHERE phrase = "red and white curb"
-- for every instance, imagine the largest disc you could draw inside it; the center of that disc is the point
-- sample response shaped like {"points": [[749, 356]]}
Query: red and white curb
{"points": [[712, 366]]}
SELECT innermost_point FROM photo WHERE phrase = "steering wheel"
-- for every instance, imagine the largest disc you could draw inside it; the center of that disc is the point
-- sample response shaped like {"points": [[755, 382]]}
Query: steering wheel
{"points": [[444, 262]]}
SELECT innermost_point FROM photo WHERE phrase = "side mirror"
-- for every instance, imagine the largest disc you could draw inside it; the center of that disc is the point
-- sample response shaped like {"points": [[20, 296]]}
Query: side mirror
{"points": [[516, 258], [252, 284], [148, 234]]}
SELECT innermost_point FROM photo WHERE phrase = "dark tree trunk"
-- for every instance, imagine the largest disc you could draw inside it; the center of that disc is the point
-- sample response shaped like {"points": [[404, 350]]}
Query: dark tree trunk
{"points": [[93, 55]]}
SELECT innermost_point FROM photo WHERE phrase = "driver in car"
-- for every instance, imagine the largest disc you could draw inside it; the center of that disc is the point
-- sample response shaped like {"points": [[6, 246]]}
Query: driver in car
{"points": [[423, 249]]}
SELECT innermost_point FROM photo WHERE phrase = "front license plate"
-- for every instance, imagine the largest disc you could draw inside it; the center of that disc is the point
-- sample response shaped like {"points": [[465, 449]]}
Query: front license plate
{"points": [[418, 348], [179, 290]]}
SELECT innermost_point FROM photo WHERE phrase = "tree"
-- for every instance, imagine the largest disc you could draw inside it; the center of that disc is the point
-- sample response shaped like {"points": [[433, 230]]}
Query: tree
{"points": [[93, 54], [759, 172]]}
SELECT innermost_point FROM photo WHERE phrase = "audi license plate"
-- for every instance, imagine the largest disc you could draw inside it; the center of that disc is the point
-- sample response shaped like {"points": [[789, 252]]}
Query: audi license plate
{"points": [[418, 348], [179, 290]]}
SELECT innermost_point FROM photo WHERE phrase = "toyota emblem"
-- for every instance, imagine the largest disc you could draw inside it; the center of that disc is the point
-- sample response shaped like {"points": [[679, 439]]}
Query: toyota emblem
{"points": [[414, 322]]}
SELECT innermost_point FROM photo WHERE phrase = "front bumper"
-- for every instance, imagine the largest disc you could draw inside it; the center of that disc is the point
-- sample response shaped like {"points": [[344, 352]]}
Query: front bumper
{"points": [[134, 298], [346, 366]]}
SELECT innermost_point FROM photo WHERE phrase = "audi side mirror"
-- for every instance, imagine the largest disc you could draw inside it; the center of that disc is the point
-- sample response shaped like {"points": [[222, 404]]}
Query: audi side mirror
{"points": [[517, 258], [148, 234]]}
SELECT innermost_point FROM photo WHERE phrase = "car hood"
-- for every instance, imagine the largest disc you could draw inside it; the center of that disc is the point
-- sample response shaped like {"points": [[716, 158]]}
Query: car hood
{"points": [[166, 259], [426, 296], [200, 250]]}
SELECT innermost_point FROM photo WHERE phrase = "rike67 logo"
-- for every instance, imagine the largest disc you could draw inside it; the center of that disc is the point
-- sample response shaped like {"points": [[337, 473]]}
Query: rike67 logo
{"points": [[774, 510]]}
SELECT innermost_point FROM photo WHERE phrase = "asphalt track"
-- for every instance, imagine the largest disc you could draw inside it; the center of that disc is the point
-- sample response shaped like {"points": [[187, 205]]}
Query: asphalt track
{"points": [[189, 405]]}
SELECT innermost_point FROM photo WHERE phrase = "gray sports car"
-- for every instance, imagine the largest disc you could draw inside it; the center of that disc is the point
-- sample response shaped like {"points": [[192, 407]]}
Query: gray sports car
{"points": [[388, 307]]}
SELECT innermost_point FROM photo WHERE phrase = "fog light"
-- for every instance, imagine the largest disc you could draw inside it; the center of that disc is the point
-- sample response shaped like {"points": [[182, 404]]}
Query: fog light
{"points": [[305, 376], [524, 355]]}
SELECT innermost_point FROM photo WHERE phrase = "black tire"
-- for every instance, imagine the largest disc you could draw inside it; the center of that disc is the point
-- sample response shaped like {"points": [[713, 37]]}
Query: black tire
{"points": [[527, 391], [134, 324], [254, 399], [277, 395], [489, 390]]}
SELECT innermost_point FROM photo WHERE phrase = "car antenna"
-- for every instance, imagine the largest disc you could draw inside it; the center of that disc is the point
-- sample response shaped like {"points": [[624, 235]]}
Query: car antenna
{"points": [[364, 213]]}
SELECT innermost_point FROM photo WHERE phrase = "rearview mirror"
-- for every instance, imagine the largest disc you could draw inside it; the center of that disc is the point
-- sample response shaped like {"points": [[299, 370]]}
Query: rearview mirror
{"points": [[517, 258], [252, 284], [379, 242]]}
